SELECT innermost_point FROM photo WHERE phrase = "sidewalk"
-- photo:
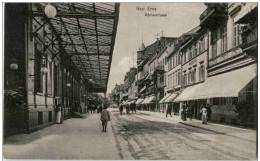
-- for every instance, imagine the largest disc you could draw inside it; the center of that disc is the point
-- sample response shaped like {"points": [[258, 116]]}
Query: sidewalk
{"points": [[75, 139], [218, 128]]}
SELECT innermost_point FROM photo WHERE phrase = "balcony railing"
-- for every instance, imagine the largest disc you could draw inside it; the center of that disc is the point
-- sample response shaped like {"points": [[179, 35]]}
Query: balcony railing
{"points": [[159, 68], [226, 55]]}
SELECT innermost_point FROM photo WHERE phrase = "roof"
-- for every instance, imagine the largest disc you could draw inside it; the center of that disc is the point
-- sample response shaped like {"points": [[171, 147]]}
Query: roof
{"points": [[142, 48], [192, 31], [86, 32]]}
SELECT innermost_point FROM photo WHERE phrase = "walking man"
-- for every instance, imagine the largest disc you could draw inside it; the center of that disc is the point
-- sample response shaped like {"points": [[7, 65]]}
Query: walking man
{"points": [[105, 117], [169, 111], [121, 108]]}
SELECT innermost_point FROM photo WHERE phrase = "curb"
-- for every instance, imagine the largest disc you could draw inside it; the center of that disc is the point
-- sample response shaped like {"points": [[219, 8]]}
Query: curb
{"points": [[186, 124]]}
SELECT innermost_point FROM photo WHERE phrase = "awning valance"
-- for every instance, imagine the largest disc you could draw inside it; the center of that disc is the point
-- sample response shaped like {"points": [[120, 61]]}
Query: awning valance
{"points": [[150, 99], [170, 98], [145, 100], [139, 101], [143, 89], [126, 94], [244, 11], [188, 92], [224, 85], [165, 97]]}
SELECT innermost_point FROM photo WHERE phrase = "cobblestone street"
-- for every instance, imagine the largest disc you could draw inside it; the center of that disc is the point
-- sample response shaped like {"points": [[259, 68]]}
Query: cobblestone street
{"points": [[150, 137]]}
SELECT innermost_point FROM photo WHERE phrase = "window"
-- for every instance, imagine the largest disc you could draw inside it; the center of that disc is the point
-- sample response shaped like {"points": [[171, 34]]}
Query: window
{"points": [[195, 51], [49, 79], [237, 37], [189, 77], [179, 78], [185, 79], [173, 61], [165, 60], [224, 38], [203, 45], [214, 44], [179, 59], [169, 80], [39, 75], [190, 54], [184, 55], [170, 64], [202, 73], [173, 80], [194, 76]]}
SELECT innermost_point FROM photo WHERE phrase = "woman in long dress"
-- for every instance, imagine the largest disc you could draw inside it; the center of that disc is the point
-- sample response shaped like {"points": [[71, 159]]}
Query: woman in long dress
{"points": [[58, 113], [204, 115]]}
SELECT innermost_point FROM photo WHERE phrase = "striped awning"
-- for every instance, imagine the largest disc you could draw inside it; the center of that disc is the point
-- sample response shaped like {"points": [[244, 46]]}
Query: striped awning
{"points": [[165, 97]]}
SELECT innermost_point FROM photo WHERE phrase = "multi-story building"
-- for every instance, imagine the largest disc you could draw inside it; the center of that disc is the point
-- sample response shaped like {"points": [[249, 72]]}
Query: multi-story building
{"points": [[115, 94], [194, 59], [153, 72], [231, 68], [128, 80]]}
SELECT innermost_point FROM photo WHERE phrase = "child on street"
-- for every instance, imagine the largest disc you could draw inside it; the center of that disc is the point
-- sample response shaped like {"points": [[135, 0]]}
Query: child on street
{"points": [[105, 117]]}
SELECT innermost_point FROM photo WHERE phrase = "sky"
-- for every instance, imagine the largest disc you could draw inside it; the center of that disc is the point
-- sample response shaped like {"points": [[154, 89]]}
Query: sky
{"points": [[134, 26]]}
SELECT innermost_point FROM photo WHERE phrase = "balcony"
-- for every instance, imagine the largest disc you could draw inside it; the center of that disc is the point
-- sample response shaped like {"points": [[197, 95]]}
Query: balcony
{"points": [[159, 69], [225, 56], [214, 15]]}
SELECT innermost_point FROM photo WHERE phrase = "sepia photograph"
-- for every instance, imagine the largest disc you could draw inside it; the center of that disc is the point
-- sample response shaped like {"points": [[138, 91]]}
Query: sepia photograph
{"points": [[130, 81]]}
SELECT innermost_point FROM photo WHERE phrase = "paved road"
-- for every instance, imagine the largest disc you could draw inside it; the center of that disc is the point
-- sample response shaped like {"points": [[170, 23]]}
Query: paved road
{"points": [[143, 136], [75, 139]]}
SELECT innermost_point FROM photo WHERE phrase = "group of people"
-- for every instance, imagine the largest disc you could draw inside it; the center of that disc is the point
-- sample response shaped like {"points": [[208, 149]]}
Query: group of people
{"points": [[128, 107], [187, 112], [92, 108]]}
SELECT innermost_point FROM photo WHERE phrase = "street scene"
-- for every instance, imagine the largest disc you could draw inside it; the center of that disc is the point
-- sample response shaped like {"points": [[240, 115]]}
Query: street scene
{"points": [[130, 81]]}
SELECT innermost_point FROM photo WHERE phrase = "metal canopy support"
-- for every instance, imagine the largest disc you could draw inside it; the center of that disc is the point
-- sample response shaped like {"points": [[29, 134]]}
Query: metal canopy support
{"points": [[86, 34]]}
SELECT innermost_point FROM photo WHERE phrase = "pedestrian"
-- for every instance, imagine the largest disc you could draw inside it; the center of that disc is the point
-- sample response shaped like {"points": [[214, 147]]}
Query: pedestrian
{"points": [[105, 117], [100, 108], [204, 114], [183, 113], [127, 108], [58, 110], [169, 111], [190, 112], [209, 112], [121, 108]]}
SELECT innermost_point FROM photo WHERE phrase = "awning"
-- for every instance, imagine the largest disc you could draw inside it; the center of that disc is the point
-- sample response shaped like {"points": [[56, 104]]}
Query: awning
{"points": [[188, 92], [224, 85], [165, 97], [245, 10], [150, 99], [145, 100], [143, 89], [139, 101], [171, 98], [126, 94], [148, 76]]}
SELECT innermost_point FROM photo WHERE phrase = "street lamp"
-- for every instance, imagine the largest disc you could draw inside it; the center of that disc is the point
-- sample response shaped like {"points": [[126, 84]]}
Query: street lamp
{"points": [[50, 11], [44, 69], [14, 65], [68, 85]]}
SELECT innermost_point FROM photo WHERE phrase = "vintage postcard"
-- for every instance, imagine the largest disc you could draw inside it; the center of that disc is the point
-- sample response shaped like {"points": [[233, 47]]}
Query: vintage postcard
{"points": [[130, 81]]}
